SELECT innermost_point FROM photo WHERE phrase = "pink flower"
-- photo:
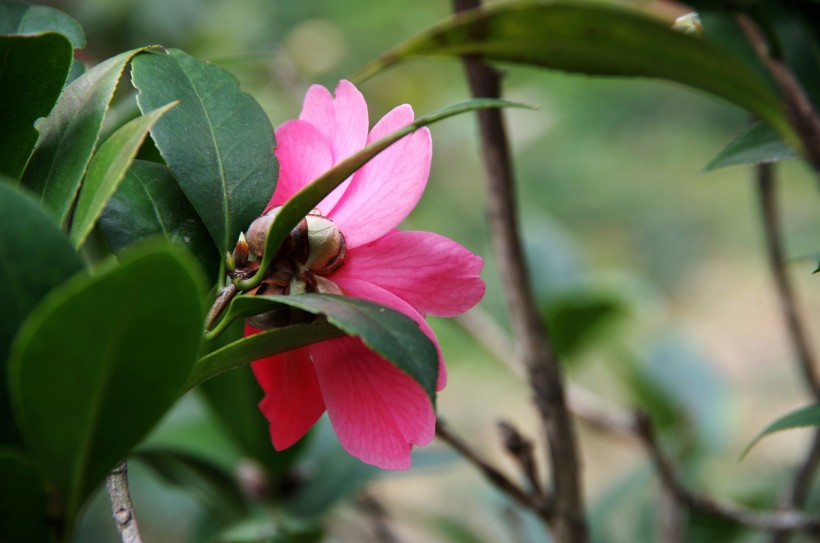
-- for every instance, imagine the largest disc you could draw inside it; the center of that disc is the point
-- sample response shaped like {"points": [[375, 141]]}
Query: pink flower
{"points": [[377, 411]]}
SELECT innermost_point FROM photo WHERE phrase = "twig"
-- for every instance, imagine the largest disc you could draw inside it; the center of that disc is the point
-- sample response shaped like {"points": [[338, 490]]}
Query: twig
{"points": [[376, 511], [222, 300], [121, 506], [521, 450], [538, 504], [762, 520], [542, 366], [797, 492], [802, 115]]}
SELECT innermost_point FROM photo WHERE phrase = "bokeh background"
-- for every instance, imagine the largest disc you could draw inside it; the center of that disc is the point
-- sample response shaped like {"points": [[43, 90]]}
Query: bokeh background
{"points": [[663, 266]]}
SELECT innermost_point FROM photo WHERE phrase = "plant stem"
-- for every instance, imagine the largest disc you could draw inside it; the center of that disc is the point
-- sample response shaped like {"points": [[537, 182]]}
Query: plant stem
{"points": [[569, 525], [121, 506]]}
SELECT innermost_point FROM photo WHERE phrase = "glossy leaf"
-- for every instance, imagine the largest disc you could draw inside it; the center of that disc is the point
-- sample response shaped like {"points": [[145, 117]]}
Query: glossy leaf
{"points": [[35, 257], [596, 40], [800, 418], [218, 142], [389, 333], [17, 18], [22, 500], [246, 350], [212, 484], [758, 145], [69, 135], [309, 197], [106, 170], [32, 74], [99, 361], [149, 203]]}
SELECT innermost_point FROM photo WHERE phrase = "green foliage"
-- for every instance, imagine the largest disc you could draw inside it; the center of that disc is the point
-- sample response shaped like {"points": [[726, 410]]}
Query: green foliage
{"points": [[22, 500], [799, 418], [575, 319], [17, 18], [218, 142], [758, 145], [69, 135], [122, 361]]}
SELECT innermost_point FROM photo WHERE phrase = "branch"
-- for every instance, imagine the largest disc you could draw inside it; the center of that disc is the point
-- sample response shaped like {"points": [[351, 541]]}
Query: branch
{"points": [[537, 503], [802, 115], [762, 520], [797, 491], [121, 506], [542, 366]]}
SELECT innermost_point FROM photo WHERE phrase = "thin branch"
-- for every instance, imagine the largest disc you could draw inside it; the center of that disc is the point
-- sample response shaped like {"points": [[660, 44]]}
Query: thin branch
{"points": [[521, 449], [542, 366], [797, 492], [380, 517], [762, 520], [537, 503], [802, 114], [121, 506]]}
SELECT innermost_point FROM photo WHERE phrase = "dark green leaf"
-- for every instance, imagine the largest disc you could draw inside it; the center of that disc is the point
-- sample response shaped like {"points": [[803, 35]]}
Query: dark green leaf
{"points": [[758, 145], [574, 319], [69, 134], [99, 361], [596, 40], [800, 418], [106, 170], [218, 142], [308, 198], [32, 74], [35, 257], [246, 350], [216, 487], [393, 335], [149, 203], [17, 18], [22, 500]]}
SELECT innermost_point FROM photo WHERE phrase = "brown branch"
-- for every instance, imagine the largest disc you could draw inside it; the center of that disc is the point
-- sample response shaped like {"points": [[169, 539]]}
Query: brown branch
{"points": [[762, 520], [121, 506], [797, 492], [539, 504], [222, 300], [803, 117], [542, 366], [521, 449]]}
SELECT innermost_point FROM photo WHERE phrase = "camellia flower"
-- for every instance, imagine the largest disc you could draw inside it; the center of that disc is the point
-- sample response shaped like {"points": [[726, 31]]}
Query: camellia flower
{"points": [[353, 248]]}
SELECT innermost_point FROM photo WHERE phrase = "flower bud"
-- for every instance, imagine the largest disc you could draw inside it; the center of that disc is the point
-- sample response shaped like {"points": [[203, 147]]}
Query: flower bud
{"points": [[258, 232], [241, 252], [326, 245]]}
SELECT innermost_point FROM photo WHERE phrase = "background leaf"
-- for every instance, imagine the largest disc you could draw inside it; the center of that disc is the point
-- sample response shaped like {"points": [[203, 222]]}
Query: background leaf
{"points": [[149, 203], [759, 144], [22, 500], [35, 257], [127, 338], [32, 74], [17, 18], [69, 134], [107, 169], [218, 142], [800, 418], [596, 40]]}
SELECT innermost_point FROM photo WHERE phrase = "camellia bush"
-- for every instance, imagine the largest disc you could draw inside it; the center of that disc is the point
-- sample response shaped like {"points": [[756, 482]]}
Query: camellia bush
{"points": [[159, 237]]}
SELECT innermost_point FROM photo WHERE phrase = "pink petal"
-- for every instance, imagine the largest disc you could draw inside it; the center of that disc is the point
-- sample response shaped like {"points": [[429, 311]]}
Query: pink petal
{"points": [[364, 289], [304, 154], [432, 273], [293, 401], [387, 188], [343, 122], [378, 412]]}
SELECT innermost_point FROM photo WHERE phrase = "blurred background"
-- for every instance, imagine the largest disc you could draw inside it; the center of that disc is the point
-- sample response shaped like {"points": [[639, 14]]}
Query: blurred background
{"points": [[653, 275]]}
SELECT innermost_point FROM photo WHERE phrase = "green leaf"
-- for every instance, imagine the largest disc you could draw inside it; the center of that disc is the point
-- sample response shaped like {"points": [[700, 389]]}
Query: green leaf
{"points": [[70, 133], [22, 500], [35, 257], [389, 333], [308, 198], [212, 484], [106, 170], [246, 350], [149, 203], [800, 418], [596, 40], [575, 319], [32, 74], [26, 20], [218, 142], [758, 145], [99, 362]]}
